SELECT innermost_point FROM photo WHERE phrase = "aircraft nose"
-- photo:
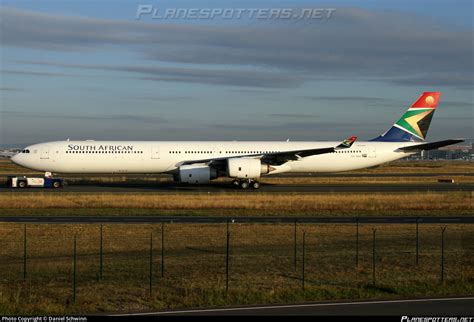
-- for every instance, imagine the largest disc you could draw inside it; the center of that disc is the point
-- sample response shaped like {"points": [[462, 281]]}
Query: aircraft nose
{"points": [[16, 159]]}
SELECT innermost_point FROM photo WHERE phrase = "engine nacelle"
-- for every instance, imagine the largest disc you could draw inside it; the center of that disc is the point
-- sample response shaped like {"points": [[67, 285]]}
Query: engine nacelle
{"points": [[196, 173], [246, 168]]}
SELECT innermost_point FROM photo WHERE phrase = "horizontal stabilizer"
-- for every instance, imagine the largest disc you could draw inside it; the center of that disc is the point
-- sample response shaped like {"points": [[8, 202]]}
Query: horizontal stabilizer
{"points": [[430, 146]]}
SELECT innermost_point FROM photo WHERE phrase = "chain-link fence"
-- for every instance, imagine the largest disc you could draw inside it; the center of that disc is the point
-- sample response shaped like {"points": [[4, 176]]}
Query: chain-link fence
{"points": [[175, 259]]}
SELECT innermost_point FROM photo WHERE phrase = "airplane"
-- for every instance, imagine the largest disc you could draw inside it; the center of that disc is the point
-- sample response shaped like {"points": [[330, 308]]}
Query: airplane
{"points": [[245, 162]]}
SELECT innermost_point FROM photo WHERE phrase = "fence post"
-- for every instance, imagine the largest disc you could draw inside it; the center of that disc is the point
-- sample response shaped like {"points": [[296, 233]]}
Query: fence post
{"points": [[227, 259], [101, 266], [442, 253], [151, 264], [24, 253], [74, 271], [357, 243], [373, 255], [294, 244], [417, 241], [303, 260], [162, 249]]}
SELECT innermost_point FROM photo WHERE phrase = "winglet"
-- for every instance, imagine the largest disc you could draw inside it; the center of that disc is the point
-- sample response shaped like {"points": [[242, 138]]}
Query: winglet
{"points": [[347, 143]]}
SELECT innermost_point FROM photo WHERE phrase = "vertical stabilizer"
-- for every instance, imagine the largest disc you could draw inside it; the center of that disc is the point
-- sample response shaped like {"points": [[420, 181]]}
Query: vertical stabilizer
{"points": [[414, 124]]}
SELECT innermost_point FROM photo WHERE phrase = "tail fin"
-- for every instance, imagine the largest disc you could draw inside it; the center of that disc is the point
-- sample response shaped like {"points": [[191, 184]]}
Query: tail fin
{"points": [[414, 124]]}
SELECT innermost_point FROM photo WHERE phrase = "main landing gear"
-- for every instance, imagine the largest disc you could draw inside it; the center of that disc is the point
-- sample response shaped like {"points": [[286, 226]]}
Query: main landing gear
{"points": [[246, 183]]}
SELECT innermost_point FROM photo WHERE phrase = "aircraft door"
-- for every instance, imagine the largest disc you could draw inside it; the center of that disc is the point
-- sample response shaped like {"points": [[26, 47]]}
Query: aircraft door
{"points": [[155, 152], [45, 152], [372, 152]]}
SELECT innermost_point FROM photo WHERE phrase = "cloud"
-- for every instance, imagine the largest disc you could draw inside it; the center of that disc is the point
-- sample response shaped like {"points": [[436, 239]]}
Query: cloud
{"points": [[454, 118], [297, 116], [457, 104], [29, 29], [98, 117], [256, 91], [11, 89], [372, 101], [238, 77], [320, 130], [32, 73], [462, 80], [354, 43], [159, 99]]}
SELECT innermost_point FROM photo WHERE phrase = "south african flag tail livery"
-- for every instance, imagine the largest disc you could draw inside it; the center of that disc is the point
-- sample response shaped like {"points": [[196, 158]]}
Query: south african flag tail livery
{"points": [[413, 125]]}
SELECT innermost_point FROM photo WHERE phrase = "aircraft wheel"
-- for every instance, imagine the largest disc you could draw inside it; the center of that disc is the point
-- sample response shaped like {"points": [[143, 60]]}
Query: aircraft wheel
{"points": [[22, 184], [256, 185], [56, 184], [244, 184]]}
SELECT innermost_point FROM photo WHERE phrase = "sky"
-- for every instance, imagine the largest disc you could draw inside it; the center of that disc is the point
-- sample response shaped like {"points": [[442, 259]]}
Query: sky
{"points": [[91, 70]]}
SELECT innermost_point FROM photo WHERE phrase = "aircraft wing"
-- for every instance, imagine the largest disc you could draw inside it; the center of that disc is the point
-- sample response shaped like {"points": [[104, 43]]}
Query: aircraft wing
{"points": [[430, 146], [278, 158]]}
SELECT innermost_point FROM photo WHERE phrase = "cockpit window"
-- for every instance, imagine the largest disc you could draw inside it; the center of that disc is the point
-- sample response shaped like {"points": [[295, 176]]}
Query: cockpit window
{"points": [[25, 151]]}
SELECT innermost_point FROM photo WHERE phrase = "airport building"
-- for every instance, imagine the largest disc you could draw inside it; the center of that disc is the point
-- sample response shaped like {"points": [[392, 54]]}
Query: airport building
{"points": [[454, 152]]}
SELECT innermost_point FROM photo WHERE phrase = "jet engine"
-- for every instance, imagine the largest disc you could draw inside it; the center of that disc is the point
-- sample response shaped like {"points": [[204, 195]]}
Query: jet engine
{"points": [[196, 173], [246, 168]]}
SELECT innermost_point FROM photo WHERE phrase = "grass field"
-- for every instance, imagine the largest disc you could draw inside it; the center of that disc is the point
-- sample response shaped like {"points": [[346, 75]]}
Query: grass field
{"points": [[422, 203], [262, 265]]}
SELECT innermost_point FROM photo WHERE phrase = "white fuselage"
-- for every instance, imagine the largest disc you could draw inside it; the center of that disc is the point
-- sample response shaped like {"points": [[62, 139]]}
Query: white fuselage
{"points": [[166, 157]]}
